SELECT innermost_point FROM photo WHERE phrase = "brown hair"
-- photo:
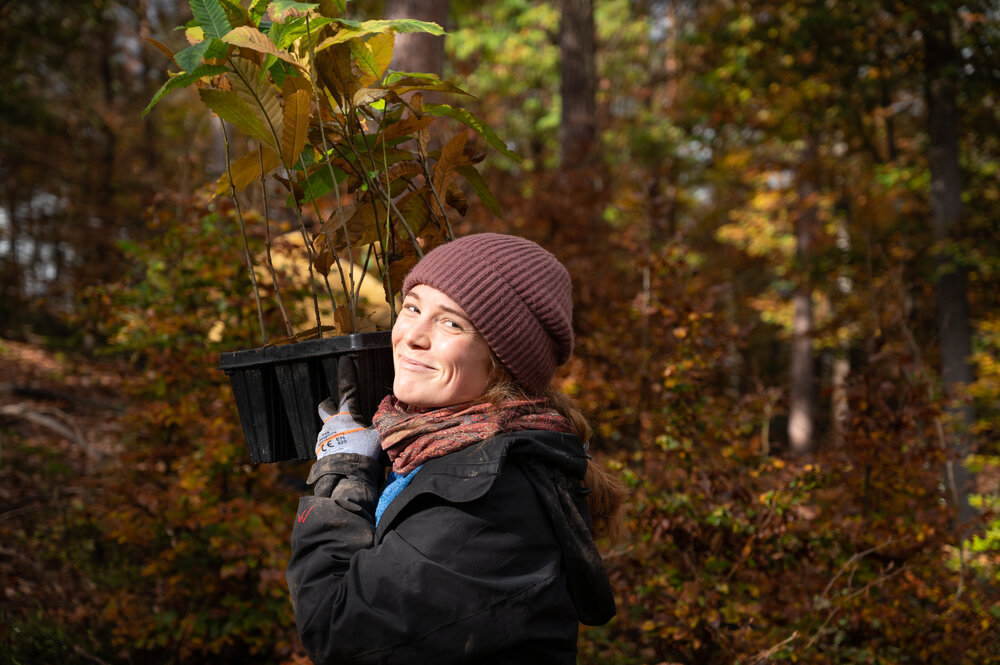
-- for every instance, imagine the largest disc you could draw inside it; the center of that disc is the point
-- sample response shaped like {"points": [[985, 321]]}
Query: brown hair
{"points": [[606, 492]]}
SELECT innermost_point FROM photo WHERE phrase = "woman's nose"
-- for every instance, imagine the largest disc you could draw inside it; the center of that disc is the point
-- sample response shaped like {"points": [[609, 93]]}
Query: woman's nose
{"points": [[415, 333]]}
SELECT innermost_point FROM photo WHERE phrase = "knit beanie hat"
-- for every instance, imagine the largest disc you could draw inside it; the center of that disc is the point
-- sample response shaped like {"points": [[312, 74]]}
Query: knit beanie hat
{"points": [[517, 295]]}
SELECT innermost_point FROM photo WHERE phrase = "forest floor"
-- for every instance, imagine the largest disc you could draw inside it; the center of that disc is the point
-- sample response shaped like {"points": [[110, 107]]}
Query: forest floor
{"points": [[59, 416], [72, 402]]}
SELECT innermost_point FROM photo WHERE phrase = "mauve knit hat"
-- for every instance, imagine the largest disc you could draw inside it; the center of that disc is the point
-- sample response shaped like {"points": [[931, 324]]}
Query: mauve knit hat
{"points": [[517, 295]]}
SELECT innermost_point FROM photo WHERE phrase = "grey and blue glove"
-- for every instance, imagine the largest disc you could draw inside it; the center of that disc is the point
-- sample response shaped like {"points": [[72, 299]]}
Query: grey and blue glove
{"points": [[342, 433], [345, 429]]}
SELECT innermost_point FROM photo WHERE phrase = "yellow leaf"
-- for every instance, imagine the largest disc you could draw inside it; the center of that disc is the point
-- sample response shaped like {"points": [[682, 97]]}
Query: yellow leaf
{"points": [[295, 125], [381, 46], [246, 169], [194, 35]]}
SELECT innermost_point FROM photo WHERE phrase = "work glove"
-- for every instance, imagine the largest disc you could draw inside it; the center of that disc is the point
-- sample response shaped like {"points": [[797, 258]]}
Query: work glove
{"points": [[344, 429]]}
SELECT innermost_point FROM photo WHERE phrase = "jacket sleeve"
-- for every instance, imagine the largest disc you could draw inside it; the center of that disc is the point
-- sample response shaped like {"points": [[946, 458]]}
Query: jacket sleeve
{"points": [[448, 583]]}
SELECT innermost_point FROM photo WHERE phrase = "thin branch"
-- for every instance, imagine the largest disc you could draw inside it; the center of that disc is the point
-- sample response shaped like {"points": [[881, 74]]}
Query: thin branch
{"points": [[54, 420], [243, 230], [765, 655], [267, 244]]}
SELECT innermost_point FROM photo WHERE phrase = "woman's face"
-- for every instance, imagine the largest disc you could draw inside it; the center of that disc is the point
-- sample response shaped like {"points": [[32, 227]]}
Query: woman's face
{"points": [[439, 356]]}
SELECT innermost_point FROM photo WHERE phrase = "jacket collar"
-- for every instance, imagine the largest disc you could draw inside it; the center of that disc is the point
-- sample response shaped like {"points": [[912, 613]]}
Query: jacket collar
{"points": [[467, 474]]}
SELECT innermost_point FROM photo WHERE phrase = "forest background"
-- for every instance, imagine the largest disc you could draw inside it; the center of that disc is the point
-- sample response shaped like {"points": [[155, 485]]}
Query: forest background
{"points": [[780, 219]]}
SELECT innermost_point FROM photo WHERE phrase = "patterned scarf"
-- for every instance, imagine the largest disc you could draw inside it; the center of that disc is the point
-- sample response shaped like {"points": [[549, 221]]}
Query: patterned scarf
{"points": [[411, 436]]}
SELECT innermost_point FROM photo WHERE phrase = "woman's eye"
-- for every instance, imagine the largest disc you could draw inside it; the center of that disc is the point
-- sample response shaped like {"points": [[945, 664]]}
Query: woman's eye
{"points": [[411, 308]]}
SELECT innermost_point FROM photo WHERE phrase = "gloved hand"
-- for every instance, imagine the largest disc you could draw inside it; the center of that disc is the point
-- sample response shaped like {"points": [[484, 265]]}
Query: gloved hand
{"points": [[343, 431]]}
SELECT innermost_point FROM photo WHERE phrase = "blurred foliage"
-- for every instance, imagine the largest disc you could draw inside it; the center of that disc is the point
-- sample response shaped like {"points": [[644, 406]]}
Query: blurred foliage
{"points": [[680, 246]]}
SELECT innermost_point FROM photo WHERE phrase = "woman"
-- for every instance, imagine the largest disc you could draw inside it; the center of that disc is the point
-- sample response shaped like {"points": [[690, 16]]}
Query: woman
{"points": [[478, 549]]}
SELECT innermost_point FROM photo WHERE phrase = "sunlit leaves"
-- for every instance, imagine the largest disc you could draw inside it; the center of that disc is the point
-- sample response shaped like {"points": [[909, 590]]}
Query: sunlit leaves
{"points": [[249, 37], [211, 17], [281, 10], [233, 108], [451, 157], [253, 166], [191, 57], [356, 29], [366, 62], [182, 80], [381, 47], [295, 124], [475, 178], [475, 123], [317, 94]]}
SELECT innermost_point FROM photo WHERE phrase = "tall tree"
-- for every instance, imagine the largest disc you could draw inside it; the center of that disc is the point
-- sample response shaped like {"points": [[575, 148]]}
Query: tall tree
{"points": [[74, 163], [578, 83], [801, 389], [419, 52], [942, 67]]}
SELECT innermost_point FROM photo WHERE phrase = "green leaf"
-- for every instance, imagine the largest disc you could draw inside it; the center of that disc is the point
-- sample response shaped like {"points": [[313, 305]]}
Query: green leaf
{"points": [[260, 96], [193, 55], [279, 8], [398, 25], [285, 34], [484, 130], [235, 13], [404, 82], [211, 17], [475, 178], [182, 80], [231, 107], [365, 58], [355, 29], [321, 182], [257, 9]]}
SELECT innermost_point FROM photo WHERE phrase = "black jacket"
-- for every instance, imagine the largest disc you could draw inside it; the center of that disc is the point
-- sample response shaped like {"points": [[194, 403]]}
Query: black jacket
{"points": [[484, 557]]}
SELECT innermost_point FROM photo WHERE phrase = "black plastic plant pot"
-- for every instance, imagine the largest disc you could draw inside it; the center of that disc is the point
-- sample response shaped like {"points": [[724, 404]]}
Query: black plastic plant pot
{"points": [[277, 389]]}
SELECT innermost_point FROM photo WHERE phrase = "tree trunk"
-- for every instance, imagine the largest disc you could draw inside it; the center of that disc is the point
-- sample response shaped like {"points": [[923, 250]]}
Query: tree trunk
{"points": [[418, 52], [801, 402], [946, 213], [578, 84]]}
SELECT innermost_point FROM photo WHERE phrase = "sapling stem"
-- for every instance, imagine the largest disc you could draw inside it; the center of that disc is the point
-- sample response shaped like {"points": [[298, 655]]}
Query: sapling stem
{"points": [[352, 304], [243, 231], [430, 184], [267, 226], [267, 246], [319, 216], [308, 244]]}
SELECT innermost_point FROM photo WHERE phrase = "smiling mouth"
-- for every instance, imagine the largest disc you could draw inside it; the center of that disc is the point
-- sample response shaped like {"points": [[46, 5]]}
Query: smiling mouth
{"points": [[406, 362]]}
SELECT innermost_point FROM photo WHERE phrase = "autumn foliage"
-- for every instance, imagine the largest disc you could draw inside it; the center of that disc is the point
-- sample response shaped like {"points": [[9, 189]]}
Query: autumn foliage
{"points": [[139, 533]]}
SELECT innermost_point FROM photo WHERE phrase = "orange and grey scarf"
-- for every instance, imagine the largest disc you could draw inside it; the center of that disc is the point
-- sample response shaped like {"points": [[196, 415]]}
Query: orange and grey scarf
{"points": [[410, 436]]}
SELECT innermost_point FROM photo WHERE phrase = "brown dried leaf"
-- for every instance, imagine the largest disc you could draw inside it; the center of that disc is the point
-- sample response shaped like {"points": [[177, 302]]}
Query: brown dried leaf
{"points": [[451, 157], [456, 198]]}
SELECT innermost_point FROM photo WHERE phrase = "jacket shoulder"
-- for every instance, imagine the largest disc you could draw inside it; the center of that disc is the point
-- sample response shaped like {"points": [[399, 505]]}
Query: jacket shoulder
{"points": [[468, 474]]}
